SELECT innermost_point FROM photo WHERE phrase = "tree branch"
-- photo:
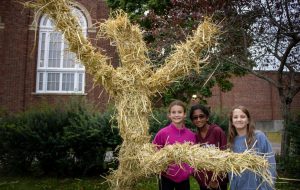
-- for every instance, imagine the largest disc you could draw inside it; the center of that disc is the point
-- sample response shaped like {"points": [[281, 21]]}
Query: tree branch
{"points": [[250, 70], [284, 57], [286, 8]]}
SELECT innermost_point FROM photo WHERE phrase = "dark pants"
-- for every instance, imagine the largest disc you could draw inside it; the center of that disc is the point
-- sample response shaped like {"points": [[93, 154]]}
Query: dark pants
{"points": [[221, 187], [167, 184]]}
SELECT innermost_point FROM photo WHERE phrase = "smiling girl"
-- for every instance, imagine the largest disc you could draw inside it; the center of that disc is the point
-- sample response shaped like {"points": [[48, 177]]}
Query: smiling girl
{"points": [[175, 177], [243, 136], [208, 135]]}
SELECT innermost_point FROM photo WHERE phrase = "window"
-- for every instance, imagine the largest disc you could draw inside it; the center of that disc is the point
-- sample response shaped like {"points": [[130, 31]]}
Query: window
{"points": [[58, 69]]}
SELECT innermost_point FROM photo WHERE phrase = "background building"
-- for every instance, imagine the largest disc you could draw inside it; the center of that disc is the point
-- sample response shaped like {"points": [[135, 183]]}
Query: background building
{"points": [[35, 65]]}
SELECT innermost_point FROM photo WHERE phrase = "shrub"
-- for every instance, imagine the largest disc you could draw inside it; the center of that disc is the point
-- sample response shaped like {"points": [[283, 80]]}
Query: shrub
{"points": [[59, 140], [294, 132], [221, 119], [157, 121], [14, 157], [291, 163]]}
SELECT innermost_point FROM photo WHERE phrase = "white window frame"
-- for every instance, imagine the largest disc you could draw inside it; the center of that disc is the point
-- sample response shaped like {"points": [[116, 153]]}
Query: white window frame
{"points": [[46, 28]]}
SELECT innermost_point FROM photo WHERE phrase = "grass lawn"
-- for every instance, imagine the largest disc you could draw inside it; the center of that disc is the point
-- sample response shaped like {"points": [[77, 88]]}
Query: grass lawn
{"points": [[18, 183], [24, 183]]}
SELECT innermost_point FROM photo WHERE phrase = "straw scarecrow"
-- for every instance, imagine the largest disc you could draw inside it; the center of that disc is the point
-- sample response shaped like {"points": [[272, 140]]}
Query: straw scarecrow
{"points": [[133, 83]]}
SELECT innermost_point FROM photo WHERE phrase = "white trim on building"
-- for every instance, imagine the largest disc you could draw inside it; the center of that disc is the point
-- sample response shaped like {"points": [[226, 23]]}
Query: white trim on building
{"points": [[58, 69]]}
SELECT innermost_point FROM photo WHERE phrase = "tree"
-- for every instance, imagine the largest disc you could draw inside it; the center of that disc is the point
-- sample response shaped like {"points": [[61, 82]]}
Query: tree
{"points": [[168, 22], [275, 46]]}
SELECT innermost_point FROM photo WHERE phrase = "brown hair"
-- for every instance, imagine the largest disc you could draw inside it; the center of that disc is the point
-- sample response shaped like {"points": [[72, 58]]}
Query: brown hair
{"points": [[232, 131], [177, 103]]}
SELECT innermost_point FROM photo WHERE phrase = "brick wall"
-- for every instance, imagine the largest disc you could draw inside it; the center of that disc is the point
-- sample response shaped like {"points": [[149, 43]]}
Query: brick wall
{"points": [[13, 60], [258, 95], [18, 57]]}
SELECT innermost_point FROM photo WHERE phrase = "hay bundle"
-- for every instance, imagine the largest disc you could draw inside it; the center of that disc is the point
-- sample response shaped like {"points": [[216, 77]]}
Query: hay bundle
{"points": [[186, 56], [202, 158], [128, 38], [132, 85]]}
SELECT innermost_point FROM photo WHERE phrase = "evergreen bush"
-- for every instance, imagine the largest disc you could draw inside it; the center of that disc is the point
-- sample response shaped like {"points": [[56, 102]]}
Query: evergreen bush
{"points": [[57, 140]]}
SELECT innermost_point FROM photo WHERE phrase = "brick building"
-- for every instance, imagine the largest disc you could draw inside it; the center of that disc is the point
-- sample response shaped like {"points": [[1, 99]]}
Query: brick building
{"points": [[258, 95], [57, 76], [35, 67]]}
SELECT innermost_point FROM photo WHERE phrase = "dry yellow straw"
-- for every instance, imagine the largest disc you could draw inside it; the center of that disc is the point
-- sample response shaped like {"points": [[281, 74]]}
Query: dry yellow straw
{"points": [[203, 158], [132, 85]]}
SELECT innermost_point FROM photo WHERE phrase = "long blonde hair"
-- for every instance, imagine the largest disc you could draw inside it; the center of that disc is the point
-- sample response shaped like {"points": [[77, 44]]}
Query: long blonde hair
{"points": [[250, 128]]}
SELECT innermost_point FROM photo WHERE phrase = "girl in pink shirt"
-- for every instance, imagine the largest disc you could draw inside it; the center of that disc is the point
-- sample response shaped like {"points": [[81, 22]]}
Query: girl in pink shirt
{"points": [[175, 177]]}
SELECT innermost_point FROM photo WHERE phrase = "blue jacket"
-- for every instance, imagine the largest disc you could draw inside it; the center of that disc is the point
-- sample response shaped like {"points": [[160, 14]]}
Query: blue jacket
{"points": [[248, 180]]}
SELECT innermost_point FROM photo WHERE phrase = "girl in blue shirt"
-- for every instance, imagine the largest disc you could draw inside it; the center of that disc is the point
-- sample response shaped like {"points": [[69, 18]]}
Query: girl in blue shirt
{"points": [[243, 136]]}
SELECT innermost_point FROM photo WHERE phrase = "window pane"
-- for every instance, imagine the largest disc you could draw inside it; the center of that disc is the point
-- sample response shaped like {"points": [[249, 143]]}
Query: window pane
{"points": [[81, 18], [45, 21], [53, 81], [41, 80], [80, 82], [55, 43], [68, 82], [69, 57], [58, 69], [42, 55]]}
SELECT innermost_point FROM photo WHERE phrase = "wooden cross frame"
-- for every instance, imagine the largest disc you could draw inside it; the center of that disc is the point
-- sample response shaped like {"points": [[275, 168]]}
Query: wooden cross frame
{"points": [[133, 83]]}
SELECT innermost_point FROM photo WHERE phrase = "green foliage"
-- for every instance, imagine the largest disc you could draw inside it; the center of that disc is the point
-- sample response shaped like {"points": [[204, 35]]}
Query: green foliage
{"points": [[137, 7], [158, 6], [158, 120], [3, 112], [290, 164], [57, 140], [27, 183], [294, 132], [13, 154], [221, 119]]}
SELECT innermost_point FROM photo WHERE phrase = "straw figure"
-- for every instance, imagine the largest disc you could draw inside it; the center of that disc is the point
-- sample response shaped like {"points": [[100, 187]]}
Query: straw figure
{"points": [[133, 83]]}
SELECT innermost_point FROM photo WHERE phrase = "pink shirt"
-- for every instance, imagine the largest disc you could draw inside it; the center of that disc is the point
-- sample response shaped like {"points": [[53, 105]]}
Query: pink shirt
{"points": [[171, 135]]}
